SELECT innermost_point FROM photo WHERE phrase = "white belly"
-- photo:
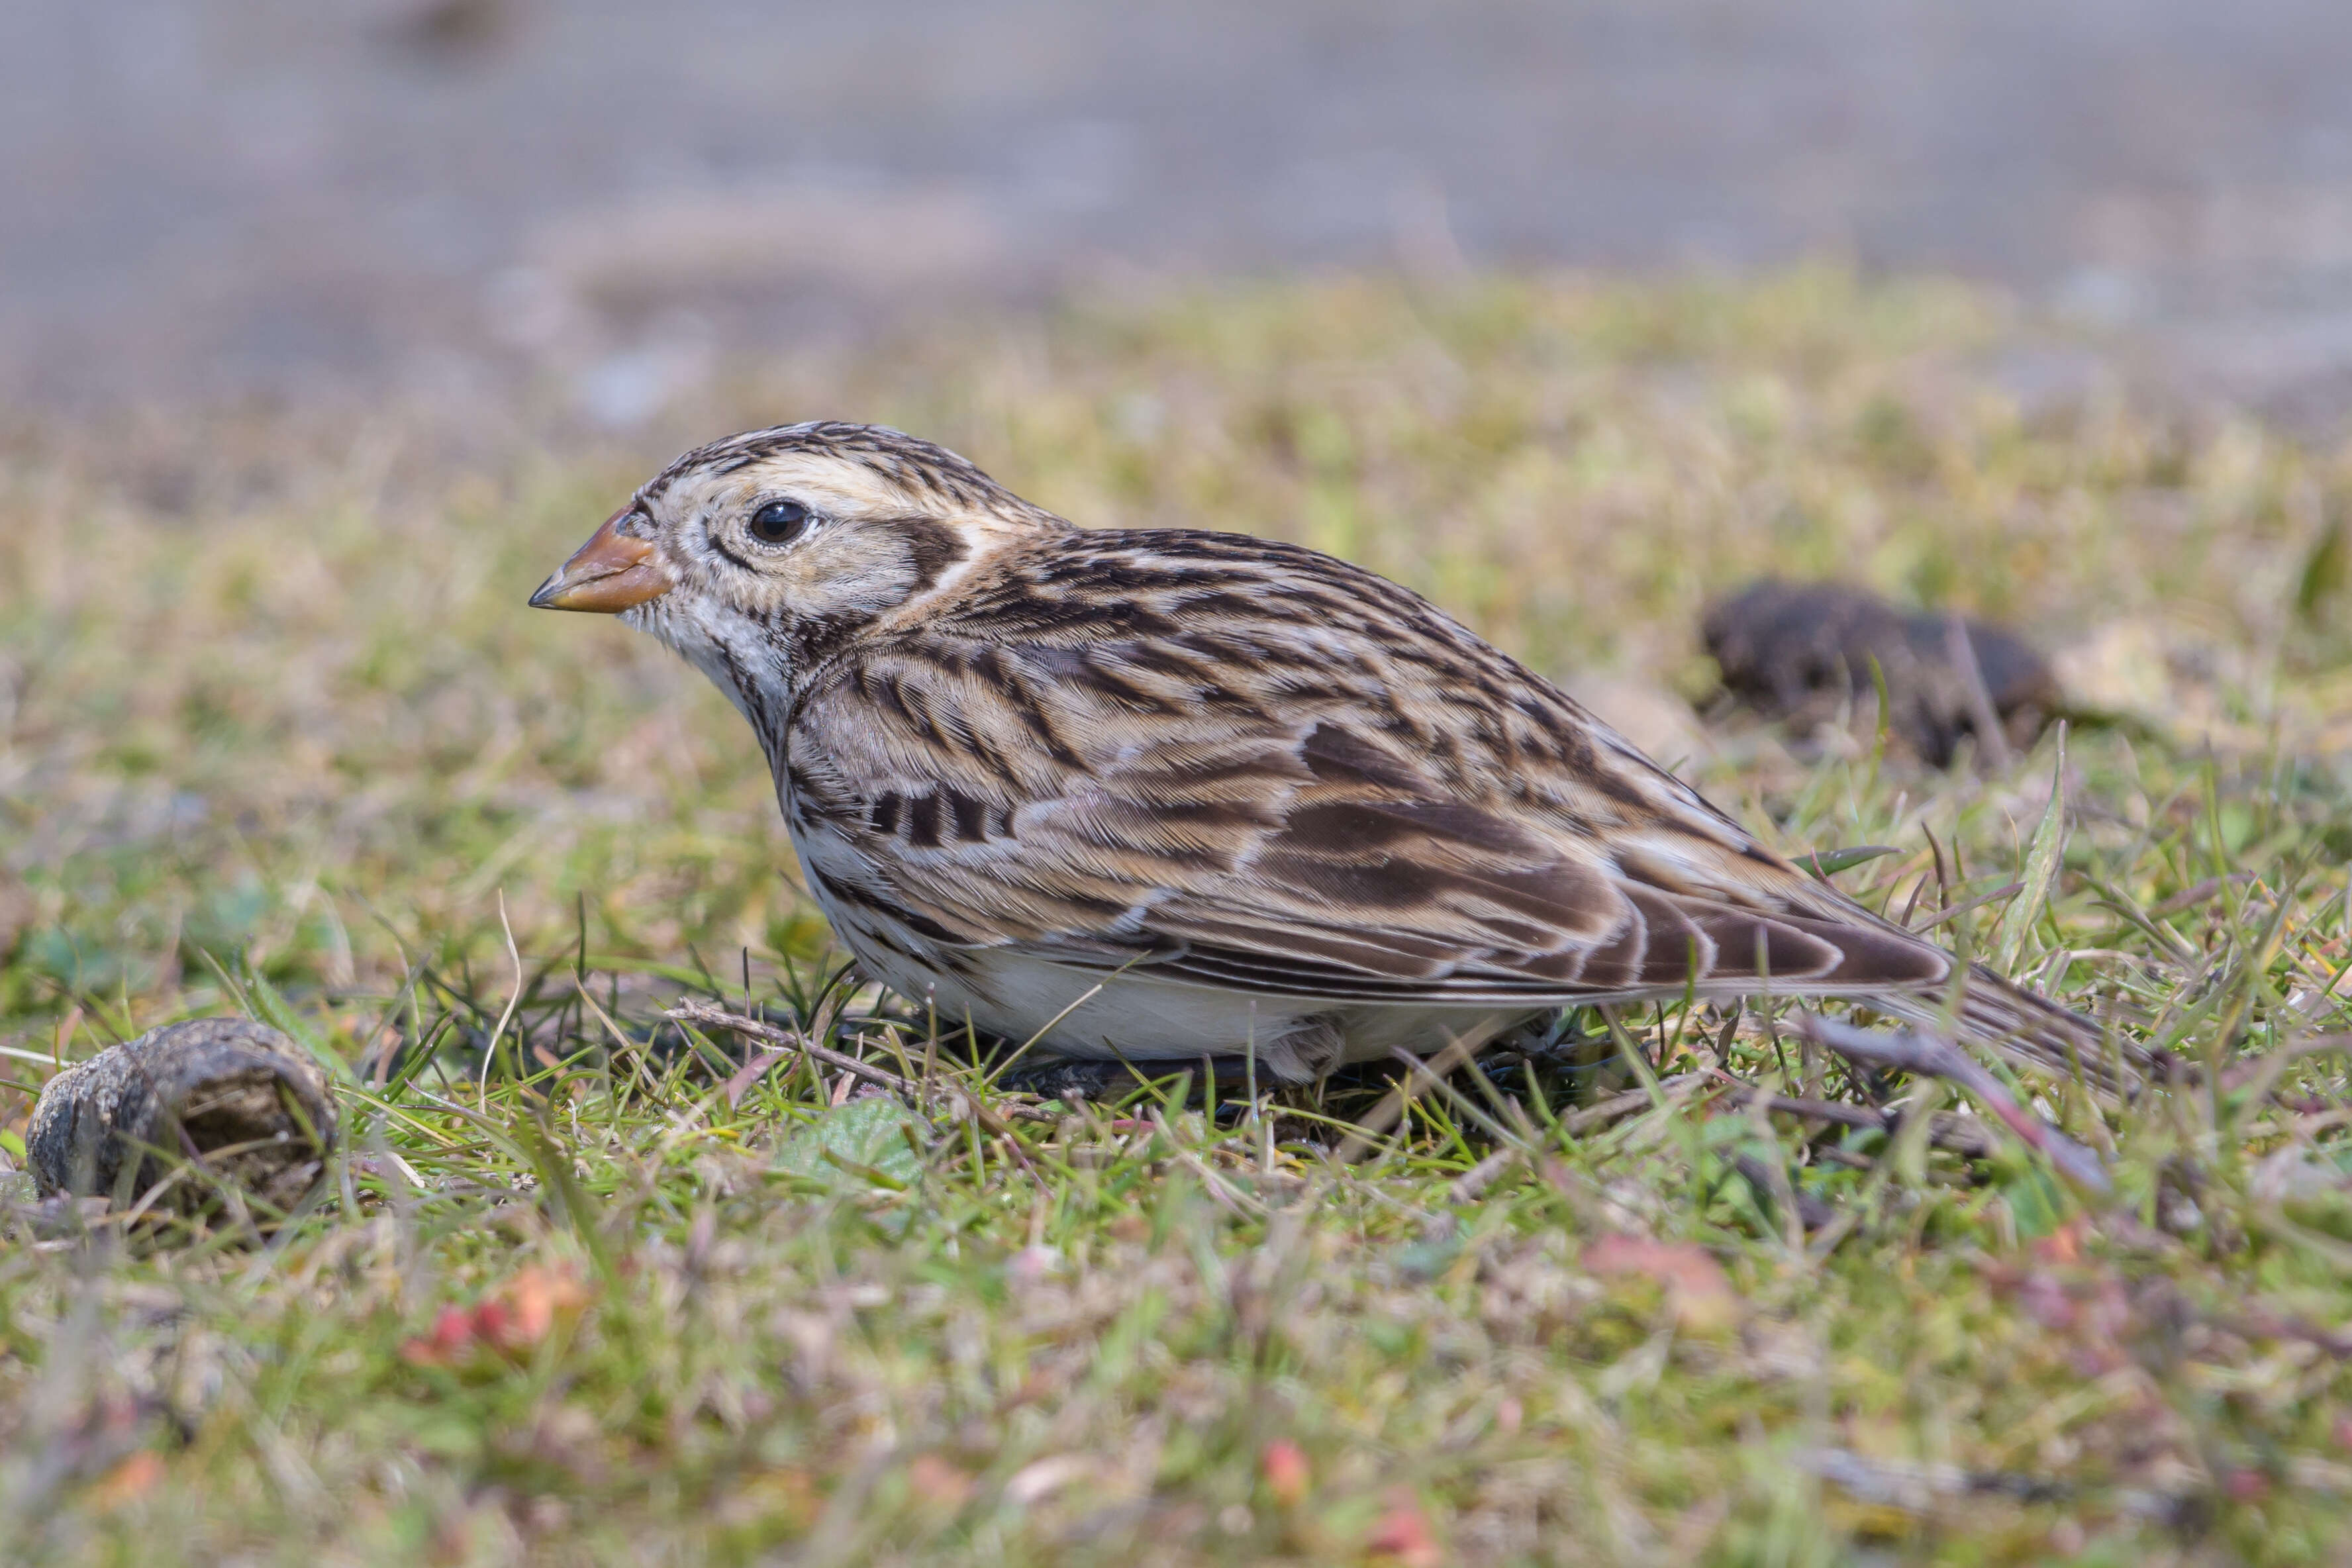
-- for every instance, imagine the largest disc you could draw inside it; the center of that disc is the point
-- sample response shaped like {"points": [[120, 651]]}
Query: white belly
{"points": [[1076, 1012]]}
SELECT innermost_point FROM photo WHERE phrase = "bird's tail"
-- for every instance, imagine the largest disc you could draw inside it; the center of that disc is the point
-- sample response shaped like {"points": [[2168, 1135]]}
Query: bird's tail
{"points": [[2033, 1034]]}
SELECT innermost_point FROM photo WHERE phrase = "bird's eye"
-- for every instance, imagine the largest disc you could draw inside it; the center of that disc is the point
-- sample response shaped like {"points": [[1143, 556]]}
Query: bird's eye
{"points": [[778, 521]]}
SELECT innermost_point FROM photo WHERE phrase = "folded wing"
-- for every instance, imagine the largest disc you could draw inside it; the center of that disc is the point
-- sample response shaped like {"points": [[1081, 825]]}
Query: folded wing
{"points": [[1302, 858]]}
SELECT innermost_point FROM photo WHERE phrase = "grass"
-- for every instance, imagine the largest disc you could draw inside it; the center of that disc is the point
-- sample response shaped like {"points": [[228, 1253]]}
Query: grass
{"points": [[277, 736]]}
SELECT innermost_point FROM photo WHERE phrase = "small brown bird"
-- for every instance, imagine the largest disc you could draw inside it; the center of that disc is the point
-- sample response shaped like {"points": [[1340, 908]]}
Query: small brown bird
{"points": [[1158, 794]]}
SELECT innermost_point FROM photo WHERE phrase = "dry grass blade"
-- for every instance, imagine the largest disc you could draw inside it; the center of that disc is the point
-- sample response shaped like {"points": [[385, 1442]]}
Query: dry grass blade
{"points": [[2042, 858], [707, 1015], [1927, 1057], [789, 1042], [1965, 905], [1617, 1107], [1952, 1133], [1370, 1129], [1992, 740]]}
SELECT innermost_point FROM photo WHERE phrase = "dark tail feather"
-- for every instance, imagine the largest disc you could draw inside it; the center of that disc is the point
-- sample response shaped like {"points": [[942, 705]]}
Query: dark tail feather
{"points": [[2035, 1035]]}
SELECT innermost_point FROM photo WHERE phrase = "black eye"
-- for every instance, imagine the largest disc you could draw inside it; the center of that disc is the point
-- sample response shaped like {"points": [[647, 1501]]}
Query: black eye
{"points": [[778, 521]]}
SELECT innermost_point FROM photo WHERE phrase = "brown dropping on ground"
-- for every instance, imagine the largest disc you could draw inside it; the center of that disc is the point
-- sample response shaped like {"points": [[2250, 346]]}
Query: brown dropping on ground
{"points": [[1808, 652], [243, 1101]]}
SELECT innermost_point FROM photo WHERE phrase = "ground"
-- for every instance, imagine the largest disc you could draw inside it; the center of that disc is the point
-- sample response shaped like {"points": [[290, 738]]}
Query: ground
{"points": [[278, 737]]}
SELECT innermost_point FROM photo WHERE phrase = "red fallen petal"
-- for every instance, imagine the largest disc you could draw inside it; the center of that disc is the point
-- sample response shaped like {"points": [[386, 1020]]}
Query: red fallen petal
{"points": [[493, 1321], [515, 1316], [131, 1479], [535, 1295], [1285, 1466], [2062, 1246], [1696, 1285], [453, 1330], [1403, 1533]]}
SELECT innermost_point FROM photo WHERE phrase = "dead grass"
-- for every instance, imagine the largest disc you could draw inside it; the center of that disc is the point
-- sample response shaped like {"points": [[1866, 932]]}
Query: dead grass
{"points": [[276, 735]]}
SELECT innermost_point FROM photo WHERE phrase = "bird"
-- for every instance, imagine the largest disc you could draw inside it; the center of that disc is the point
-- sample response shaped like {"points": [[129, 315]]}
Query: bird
{"points": [[1147, 796]]}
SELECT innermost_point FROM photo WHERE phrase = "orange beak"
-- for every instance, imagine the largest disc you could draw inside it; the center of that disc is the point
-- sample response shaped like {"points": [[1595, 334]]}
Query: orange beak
{"points": [[606, 576]]}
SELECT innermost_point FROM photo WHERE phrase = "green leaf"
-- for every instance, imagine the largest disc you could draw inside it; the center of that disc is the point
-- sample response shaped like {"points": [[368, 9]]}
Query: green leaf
{"points": [[2324, 571], [1829, 862], [280, 1014], [865, 1138], [2042, 858], [558, 1176], [13, 1145]]}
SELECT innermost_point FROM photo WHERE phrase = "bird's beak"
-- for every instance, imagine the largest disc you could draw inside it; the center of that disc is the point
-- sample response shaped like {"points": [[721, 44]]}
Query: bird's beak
{"points": [[606, 576]]}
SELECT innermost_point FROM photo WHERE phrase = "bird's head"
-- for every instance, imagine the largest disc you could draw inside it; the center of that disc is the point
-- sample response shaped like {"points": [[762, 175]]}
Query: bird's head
{"points": [[752, 554]]}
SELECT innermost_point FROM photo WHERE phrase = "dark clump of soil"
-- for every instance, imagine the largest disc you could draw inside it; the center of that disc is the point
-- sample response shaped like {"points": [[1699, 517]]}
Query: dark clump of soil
{"points": [[239, 1102], [1807, 652]]}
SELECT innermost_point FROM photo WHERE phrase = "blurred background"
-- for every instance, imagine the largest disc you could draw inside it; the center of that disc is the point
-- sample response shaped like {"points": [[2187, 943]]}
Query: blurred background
{"points": [[218, 198]]}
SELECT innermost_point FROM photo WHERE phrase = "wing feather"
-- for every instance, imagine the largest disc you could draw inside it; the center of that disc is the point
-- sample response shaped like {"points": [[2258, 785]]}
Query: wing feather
{"points": [[1303, 856]]}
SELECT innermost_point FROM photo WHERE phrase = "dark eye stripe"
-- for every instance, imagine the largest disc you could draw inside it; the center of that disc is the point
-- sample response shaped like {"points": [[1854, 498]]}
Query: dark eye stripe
{"points": [[720, 545]]}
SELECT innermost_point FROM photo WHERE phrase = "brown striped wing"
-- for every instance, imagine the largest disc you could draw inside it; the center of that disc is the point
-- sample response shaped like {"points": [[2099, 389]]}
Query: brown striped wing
{"points": [[1098, 807]]}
